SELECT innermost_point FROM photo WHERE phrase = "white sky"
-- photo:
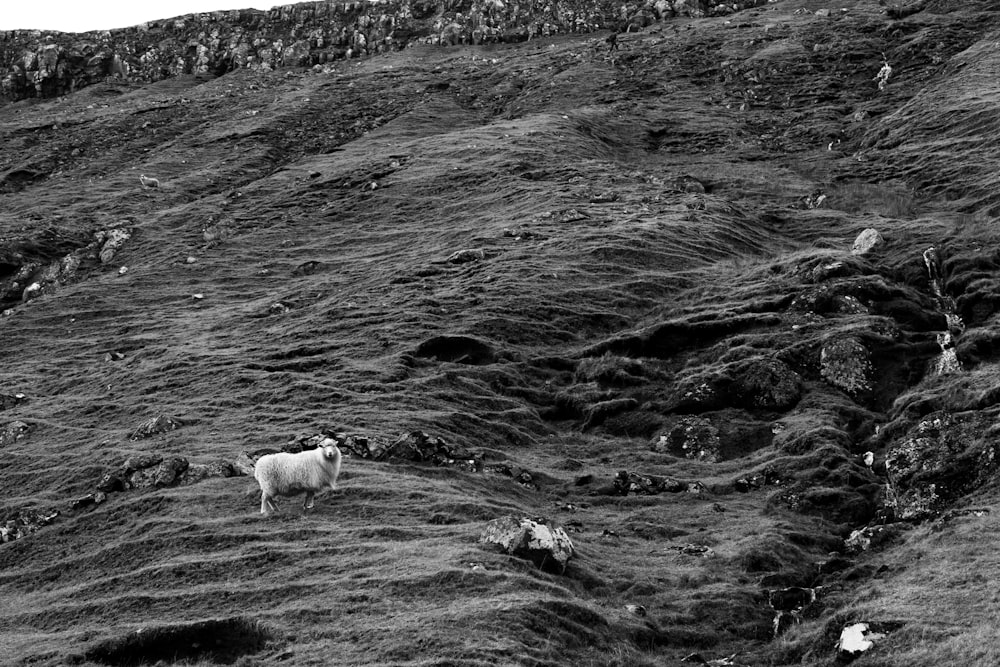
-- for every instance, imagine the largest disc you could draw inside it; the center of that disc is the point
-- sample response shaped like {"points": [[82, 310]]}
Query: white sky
{"points": [[84, 15]]}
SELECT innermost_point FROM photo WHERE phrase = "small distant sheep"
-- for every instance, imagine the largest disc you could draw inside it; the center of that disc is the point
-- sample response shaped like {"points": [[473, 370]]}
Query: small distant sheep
{"points": [[307, 472], [149, 182]]}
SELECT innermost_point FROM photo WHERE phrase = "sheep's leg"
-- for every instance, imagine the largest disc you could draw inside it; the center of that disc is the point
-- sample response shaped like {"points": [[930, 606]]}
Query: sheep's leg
{"points": [[267, 504], [308, 504]]}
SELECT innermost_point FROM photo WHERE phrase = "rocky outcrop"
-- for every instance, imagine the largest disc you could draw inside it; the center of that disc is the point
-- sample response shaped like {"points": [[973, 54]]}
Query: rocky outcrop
{"points": [[152, 470], [37, 264], [546, 546], [154, 426], [941, 459], [48, 64]]}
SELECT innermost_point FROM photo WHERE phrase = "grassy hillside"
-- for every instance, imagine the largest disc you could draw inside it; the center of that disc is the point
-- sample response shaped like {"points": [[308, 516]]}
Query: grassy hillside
{"points": [[661, 282]]}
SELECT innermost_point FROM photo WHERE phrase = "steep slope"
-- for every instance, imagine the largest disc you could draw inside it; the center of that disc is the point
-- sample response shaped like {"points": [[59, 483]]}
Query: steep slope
{"points": [[657, 284]]}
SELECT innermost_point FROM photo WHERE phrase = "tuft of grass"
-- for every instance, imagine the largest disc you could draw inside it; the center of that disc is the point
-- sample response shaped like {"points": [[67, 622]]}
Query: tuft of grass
{"points": [[878, 198]]}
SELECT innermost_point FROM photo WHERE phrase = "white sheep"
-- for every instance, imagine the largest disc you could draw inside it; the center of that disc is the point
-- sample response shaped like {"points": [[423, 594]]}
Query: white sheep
{"points": [[307, 472], [149, 181]]}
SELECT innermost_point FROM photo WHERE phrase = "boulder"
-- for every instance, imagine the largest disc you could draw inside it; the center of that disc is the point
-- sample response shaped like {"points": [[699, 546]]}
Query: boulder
{"points": [[465, 256], [768, 384], [548, 547], [845, 363], [867, 241]]}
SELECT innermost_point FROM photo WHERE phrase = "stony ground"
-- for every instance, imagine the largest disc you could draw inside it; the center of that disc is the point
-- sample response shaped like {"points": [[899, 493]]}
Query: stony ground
{"points": [[600, 276]]}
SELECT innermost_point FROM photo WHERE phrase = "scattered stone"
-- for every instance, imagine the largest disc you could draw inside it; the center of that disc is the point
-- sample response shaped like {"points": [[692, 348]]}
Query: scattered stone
{"points": [[13, 432], [25, 523], [89, 500], [191, 259], [867, 241], [113, 356], [547, 547], [604, 197], [815, 199], [626, 482], [864, 539], [122, 271], [756, 481], [465, 256], [198, 297], [978, 512], [699, 550], [154, 426], [519, 233]]}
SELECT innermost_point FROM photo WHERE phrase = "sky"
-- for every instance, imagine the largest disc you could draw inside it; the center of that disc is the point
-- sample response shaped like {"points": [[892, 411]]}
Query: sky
{"points": [[81, 15]]}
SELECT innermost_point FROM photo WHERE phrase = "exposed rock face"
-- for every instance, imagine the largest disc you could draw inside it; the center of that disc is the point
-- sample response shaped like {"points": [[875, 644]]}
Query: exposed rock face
{"points": [[53, 257], [941, 459], [547, 547], [48, 64]]}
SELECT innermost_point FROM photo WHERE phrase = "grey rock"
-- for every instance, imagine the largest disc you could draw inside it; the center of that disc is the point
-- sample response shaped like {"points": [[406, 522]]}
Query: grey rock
{"points": [[867, 241], [548, 547]]}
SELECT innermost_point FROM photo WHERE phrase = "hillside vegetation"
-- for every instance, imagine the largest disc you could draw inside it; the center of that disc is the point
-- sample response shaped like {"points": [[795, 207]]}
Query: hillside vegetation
{"points": [[618, 291]]}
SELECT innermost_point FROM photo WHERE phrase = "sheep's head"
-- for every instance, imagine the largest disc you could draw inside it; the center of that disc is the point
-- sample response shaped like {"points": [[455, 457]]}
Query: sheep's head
{"points": [[329, 447]]}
